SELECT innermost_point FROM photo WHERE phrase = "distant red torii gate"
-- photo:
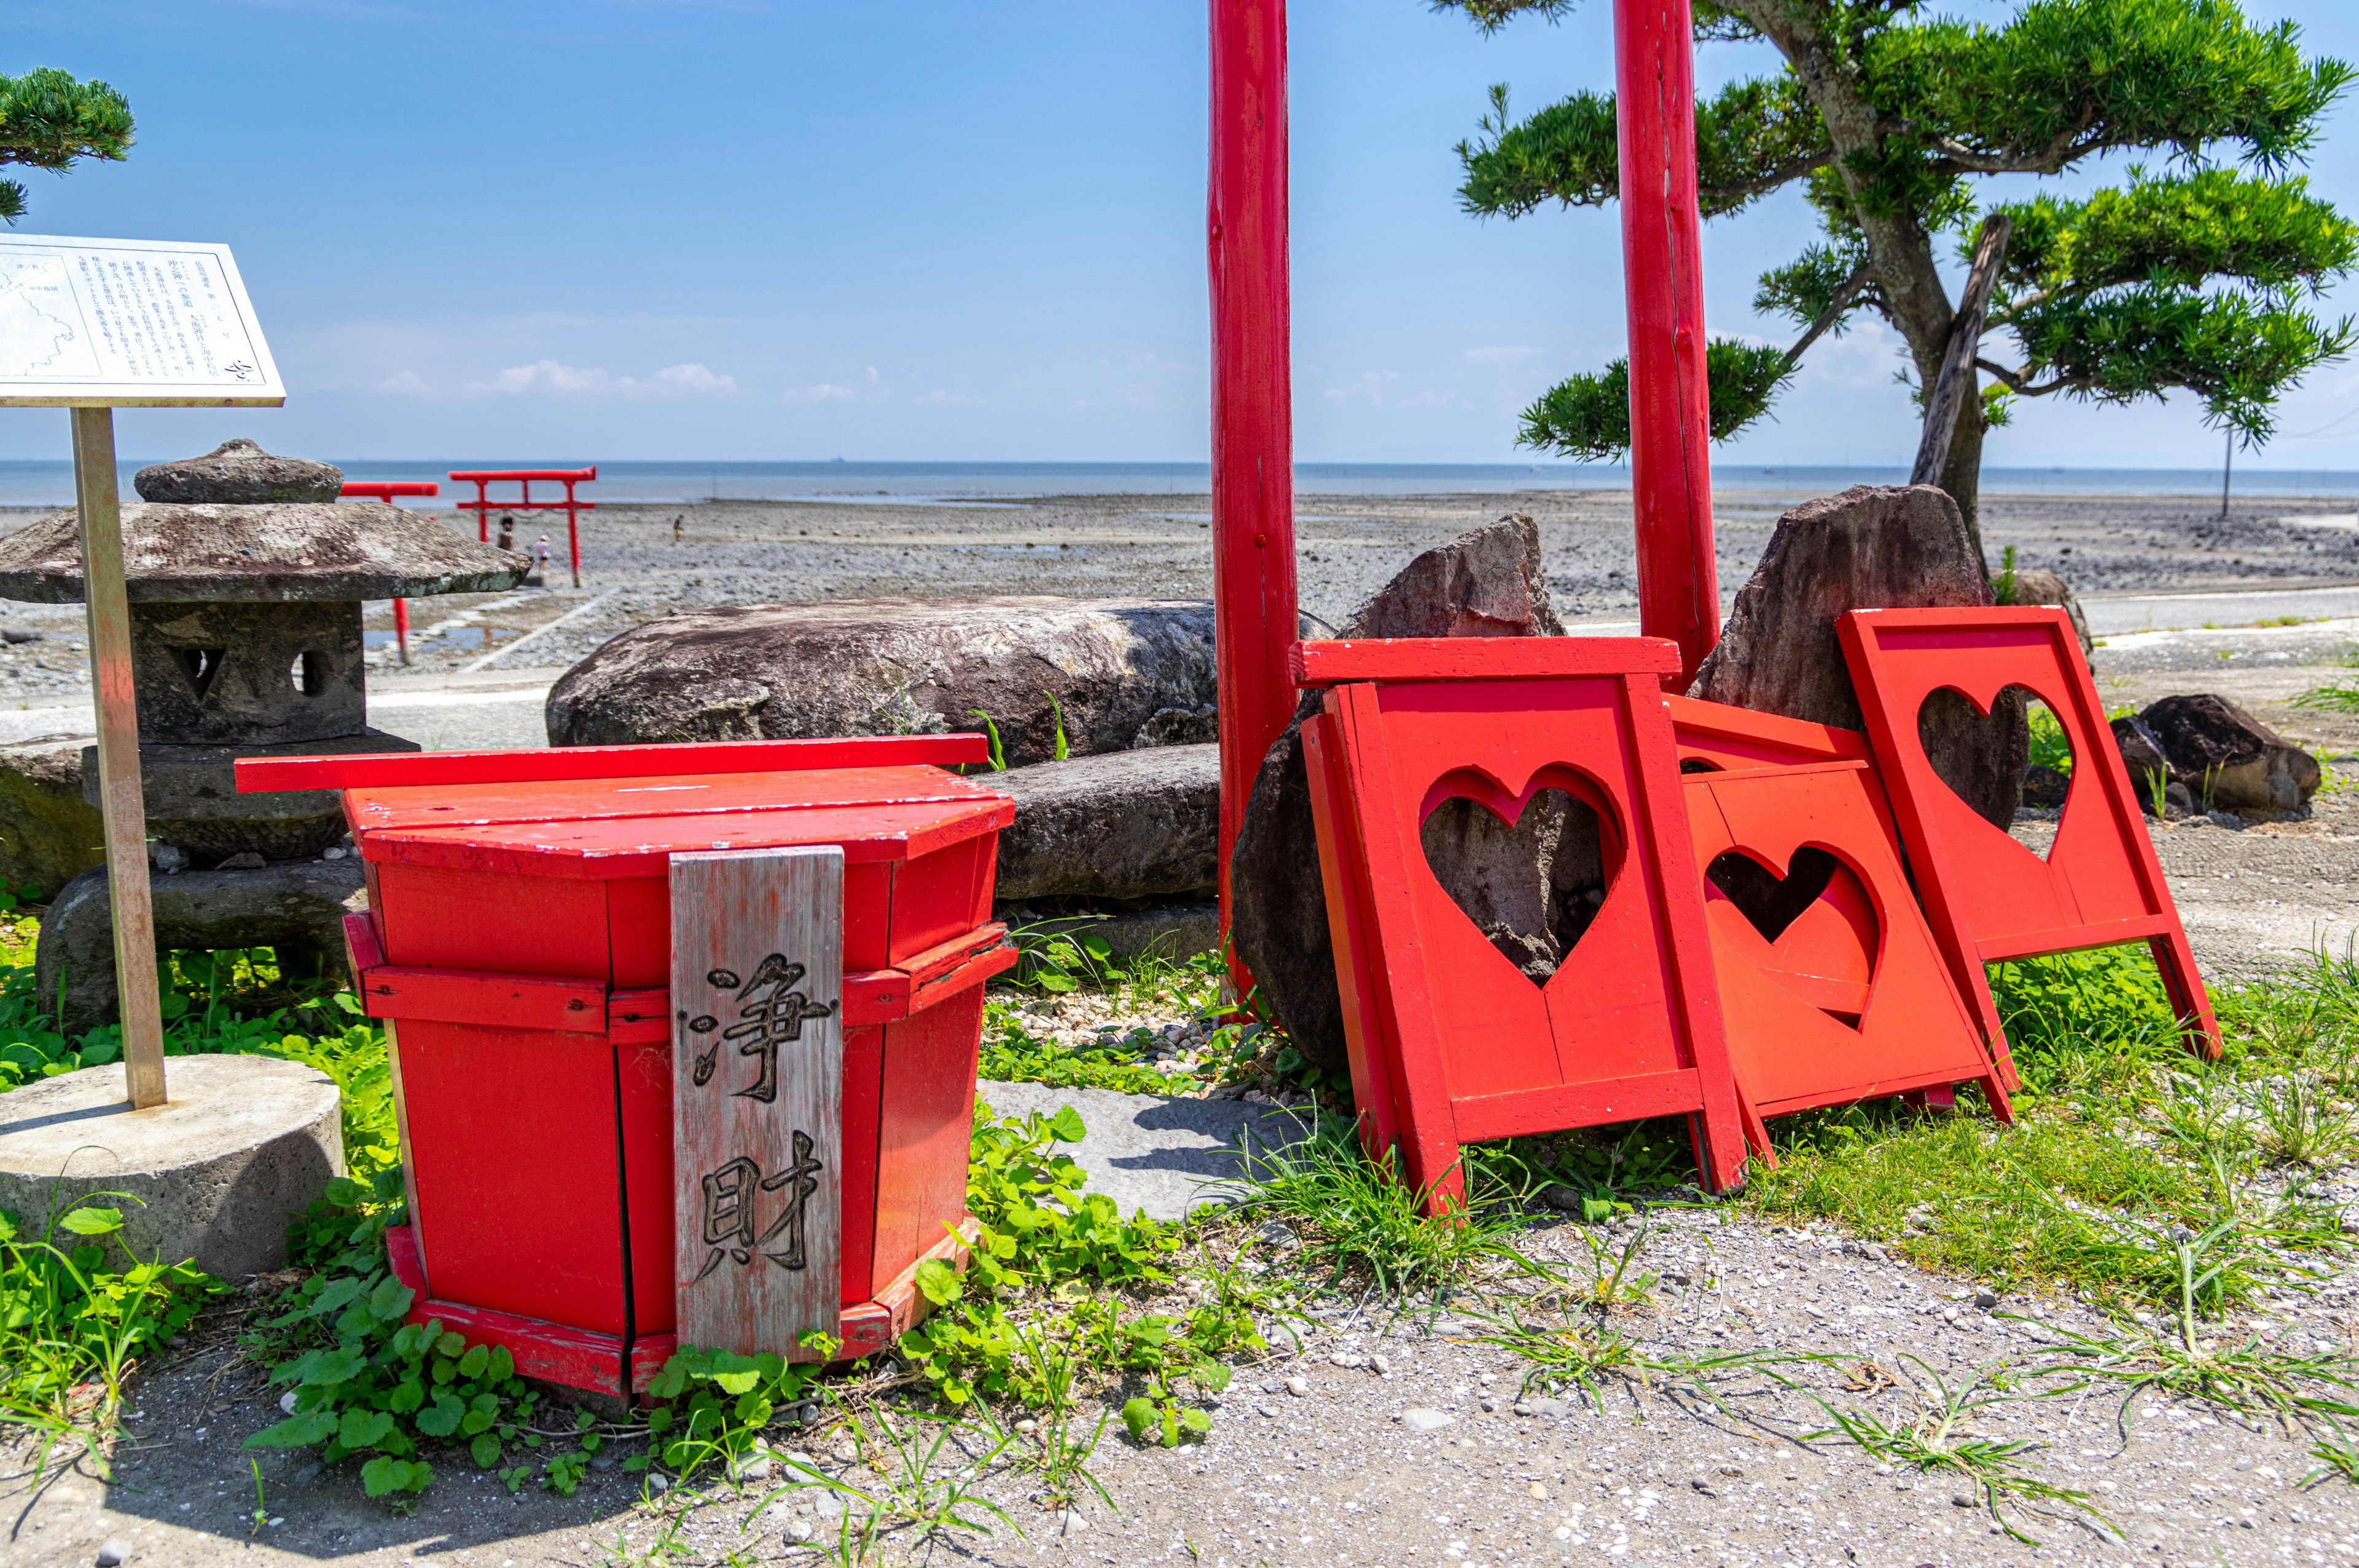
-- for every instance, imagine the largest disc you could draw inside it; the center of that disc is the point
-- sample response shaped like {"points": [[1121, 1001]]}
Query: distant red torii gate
{"points": [[1253, 442], [483, 507]]}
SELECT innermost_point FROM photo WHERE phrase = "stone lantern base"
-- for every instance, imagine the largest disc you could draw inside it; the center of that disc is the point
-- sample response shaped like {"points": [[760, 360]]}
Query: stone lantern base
{"points": [[244, 1144], [297, 907]]}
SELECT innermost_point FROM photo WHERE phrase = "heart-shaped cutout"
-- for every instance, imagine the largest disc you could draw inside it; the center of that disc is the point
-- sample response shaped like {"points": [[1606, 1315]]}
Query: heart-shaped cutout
{"points": [[1981, 752], [1816, 925], [1530, 871]]}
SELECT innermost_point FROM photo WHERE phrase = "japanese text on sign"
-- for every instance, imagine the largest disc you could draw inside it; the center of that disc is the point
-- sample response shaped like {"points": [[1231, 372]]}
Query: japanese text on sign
{"points": [[127, 321]]}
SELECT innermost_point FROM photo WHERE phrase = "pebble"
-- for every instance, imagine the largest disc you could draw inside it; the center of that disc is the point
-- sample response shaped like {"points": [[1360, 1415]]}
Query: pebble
{"points": [[1421, 1418], [1381, 1365], [1298, 1386], [113, 1553], [1543, 1404]]}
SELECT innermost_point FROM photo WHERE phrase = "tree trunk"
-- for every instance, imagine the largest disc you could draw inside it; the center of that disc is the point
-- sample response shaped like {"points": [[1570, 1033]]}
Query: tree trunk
{"points": [[1961, 473], [1899, 251]]}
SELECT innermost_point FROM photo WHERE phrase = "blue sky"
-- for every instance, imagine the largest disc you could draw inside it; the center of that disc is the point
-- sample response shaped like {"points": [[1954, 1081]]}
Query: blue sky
{"points": [[733, 230]]}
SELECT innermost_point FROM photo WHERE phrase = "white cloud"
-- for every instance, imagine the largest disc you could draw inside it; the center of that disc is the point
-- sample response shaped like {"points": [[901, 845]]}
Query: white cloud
{"points": [[408, 383], [551, 376], [1504, 354]]}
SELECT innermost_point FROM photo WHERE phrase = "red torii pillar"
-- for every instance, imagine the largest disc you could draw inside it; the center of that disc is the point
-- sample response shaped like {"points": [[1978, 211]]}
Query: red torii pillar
{"points": [[1662, 282], [1252, 440], [1253, 409]]}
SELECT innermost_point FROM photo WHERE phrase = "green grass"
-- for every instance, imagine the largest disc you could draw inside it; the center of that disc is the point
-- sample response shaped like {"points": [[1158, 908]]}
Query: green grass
{"points": [[79, 1312], [2122, 1139]]}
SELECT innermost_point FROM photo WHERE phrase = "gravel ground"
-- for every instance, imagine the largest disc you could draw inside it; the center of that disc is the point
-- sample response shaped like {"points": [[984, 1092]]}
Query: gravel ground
{"points": [[1317, 1457]]}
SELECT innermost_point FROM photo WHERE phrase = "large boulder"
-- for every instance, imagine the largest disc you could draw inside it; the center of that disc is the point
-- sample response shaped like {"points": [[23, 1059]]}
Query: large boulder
{"points": [[2228, 759], [1119, 826], [1486, 583], [1869, 547], [1111, 673], [48, 832]]}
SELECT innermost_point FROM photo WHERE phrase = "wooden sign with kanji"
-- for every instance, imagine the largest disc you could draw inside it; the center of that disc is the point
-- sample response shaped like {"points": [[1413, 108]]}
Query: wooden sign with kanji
{"points": [[758, 1095]]}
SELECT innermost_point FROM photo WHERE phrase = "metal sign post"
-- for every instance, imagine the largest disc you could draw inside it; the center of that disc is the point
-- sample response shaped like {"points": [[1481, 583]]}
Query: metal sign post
{"points": [[94, 326]]}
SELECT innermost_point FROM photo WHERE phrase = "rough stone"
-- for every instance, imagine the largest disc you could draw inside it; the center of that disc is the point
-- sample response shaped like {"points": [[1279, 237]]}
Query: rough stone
{"points": [[1486, 583], [1868, 547], [193, 805], [297, 907], [1423, 1417], [308, 550], [2228, 759], [240, 473], [48, 832], [1118, 825], [1109, 670], [1161, 1153], [243, 1144]]}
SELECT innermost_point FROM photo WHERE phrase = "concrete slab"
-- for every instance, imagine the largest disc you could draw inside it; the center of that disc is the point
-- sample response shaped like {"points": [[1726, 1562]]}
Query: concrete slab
{"points": [[243, 1145], [1156, 1152]]}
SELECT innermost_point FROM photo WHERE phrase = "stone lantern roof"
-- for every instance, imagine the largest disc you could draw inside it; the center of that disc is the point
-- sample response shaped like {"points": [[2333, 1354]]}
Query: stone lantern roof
{"points": [[239, 526]]}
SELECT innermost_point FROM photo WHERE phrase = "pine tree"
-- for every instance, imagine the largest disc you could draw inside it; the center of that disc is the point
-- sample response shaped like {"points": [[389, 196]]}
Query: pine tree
{"points": [[2191, 274], [48, 119]]}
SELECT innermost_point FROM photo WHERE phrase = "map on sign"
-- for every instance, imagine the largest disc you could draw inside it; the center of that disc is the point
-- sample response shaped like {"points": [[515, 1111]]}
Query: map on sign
{"points": [[127, 322]]}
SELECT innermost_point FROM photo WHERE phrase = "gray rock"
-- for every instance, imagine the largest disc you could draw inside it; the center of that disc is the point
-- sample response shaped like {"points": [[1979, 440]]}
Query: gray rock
{"points": [[193, 805], [1542, 1405], [1486, 583], [892, 666], [1871, 547], [310, 550], [296, 908], [1118, 825], [2228, 759], [242, 472], [243, 1145], [114, 1553], [1161, 1153], [1421, 1418], [48, 832]]}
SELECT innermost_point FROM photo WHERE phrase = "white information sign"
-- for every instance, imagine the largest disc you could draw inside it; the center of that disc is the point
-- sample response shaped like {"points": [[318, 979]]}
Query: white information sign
{"points": [[128, 324]]}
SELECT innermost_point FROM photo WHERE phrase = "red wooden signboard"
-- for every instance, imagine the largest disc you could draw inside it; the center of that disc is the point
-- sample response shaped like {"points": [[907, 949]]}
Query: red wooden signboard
{"points": [[1468, 1045], [1988, 897], [1831, 984]]}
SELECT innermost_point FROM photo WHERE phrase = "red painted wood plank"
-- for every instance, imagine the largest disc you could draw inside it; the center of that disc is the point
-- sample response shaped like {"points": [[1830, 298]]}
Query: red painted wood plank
{"points": [[1731, 737], [362, 951], [1479, 658], [1560, 1106], [643, 1096], [875, 996], [574, 1357], [643, 846], [864, 1069], [255, 774], [635, 1018], [573, 800], [510, 925], [516, 1218], [500, 1002], [925, 1118]]}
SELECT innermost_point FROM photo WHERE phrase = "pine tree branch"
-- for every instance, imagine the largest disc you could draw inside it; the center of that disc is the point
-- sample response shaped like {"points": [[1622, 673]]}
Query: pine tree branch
{"points": [[1957, 379], [2014, 381], [1835, 310]]}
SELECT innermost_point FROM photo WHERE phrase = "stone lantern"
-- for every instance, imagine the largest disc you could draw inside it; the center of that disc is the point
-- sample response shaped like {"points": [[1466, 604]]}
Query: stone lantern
{"points": [[246, 577]]}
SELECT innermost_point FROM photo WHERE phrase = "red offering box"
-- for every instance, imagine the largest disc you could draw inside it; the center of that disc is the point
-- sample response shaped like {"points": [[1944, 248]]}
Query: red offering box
{"points": [[519, 944]]}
